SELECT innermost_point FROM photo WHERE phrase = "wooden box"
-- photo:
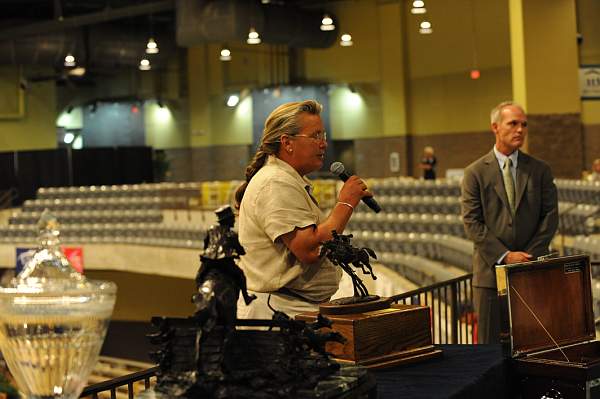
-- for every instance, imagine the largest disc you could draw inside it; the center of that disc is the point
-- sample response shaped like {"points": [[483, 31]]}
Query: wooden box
{"points": [[380, 338], [547, 327]]}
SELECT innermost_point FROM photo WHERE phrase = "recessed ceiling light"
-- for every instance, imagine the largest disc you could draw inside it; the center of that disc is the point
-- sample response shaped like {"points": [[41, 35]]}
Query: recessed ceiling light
{"points": [[418, 7], [151, 46], [225, 55], [425, 28], [69, 60], [327, 23], [145, 65], [346, 40], [253, 36]]}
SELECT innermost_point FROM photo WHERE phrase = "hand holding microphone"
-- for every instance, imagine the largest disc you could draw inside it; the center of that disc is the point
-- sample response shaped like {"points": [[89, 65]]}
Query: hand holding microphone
{"points": [[354, 186]]}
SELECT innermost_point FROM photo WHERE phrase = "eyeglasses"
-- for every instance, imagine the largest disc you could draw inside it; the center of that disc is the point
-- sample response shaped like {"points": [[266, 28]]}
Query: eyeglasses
{"points": [[321, 136]]}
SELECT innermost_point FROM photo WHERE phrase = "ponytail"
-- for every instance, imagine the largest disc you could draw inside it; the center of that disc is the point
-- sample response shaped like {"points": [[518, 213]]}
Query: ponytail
{"points": [[259, 160]]}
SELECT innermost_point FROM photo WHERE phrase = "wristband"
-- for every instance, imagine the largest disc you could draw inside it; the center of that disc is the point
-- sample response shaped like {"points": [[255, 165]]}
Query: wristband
{"points": [[347, 204]]}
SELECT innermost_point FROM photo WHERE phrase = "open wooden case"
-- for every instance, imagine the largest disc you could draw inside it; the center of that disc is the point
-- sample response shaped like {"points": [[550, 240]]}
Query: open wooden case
{"points": [[547, 327], [395, 335]]}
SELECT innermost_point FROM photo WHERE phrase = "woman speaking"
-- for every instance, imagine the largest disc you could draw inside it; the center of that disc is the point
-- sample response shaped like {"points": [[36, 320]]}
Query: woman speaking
{"points": [[280, 224]]}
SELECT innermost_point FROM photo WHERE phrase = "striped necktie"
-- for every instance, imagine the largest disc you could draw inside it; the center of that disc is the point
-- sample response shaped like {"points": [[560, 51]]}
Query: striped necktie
{"points": [[509, 184]]}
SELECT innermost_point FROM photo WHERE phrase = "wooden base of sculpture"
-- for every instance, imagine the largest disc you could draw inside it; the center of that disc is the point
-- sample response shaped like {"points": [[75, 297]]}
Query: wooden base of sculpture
{"points": [[397, 334]]}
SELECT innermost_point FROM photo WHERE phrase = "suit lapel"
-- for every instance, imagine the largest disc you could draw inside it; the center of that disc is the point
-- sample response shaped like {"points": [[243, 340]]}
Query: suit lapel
{"points": [[496, 178], [523, 171]]}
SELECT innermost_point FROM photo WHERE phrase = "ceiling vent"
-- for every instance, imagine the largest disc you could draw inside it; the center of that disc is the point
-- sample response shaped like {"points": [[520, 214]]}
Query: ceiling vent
{"points": [[98, 46], [219, 21]]}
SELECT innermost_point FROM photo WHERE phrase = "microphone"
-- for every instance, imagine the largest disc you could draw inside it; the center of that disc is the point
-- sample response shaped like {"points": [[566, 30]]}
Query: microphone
{"points": [[337, 168]]}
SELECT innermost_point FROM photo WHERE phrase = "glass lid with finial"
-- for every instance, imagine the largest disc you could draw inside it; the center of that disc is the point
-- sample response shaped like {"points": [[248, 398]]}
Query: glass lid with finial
{"points": [[48, 268], [53, 320]]}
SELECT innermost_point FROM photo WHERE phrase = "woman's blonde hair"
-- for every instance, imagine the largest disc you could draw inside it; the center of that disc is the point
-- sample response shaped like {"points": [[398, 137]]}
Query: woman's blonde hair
{"points": [[283, 120]]}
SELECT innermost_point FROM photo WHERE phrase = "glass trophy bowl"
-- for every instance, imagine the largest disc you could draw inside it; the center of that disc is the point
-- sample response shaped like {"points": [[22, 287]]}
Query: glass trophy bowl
{"points": [[53, 321]]}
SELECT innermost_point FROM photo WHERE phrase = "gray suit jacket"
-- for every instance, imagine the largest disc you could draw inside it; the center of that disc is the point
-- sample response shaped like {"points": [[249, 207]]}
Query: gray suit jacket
{"points": [[487, 218]]}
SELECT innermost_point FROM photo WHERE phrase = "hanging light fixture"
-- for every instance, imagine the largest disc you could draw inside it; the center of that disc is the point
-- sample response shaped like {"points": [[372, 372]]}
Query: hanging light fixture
{"points": [[346, 40], [327, 23], [253, 36], [70, 60], [144, 65], [418, 7], [151, 46], [425, 28], [225, 54]]}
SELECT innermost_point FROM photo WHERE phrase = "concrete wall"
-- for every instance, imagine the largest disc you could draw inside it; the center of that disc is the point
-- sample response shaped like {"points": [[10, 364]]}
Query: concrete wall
{"points": [[26, 116], [207, 163]]}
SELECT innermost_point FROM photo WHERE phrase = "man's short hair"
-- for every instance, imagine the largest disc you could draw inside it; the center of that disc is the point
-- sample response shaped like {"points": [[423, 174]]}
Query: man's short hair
{"points": [[495, 114]]}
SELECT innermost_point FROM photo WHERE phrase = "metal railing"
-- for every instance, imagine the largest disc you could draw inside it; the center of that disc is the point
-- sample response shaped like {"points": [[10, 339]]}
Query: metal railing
{"points": [[113, 385], [453, 320]]}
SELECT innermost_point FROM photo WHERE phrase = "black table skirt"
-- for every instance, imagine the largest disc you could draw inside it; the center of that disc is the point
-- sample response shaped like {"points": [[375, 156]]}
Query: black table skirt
{"points": [[464, 371]]}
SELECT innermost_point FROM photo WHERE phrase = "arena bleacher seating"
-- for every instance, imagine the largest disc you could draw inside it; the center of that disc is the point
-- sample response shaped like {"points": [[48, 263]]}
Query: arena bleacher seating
{"points": [[126, 214], [579, 209], [419, 232]]}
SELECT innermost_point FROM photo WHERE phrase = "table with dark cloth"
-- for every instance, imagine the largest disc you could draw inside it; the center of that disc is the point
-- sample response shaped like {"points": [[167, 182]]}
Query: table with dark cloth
{"points": [[463, 371]]}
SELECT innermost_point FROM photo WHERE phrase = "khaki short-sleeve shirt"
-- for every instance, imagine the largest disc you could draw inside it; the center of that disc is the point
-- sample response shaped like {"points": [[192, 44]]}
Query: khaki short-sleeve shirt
{"points": [[276, 202]]}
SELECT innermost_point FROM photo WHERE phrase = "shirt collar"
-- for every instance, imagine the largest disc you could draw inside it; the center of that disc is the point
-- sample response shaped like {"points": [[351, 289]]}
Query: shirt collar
{"points": [[286, 167], [514, 157]]}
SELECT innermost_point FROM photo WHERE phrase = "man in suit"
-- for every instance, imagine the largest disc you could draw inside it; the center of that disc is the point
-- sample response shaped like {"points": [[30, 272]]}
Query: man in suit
{"points": [[509, 209]]}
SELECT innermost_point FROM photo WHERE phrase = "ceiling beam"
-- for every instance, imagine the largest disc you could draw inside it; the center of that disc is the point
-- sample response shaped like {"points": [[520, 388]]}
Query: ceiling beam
{"points": [[108, 14]]}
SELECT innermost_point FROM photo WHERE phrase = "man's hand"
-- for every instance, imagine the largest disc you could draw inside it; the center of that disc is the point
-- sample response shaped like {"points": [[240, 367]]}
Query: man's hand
{"points": [[517, 257]]}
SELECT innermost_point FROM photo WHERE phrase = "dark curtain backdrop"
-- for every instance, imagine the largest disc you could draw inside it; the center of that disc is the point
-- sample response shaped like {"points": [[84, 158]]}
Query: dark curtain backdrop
{"points": [[42, 168], [134, 164], [94, 166], [62, 167], [8, 177]]}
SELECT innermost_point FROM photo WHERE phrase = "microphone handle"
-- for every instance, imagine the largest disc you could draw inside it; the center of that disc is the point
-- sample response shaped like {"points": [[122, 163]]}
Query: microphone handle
{"points": [[368, 201], [371, 203]]}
